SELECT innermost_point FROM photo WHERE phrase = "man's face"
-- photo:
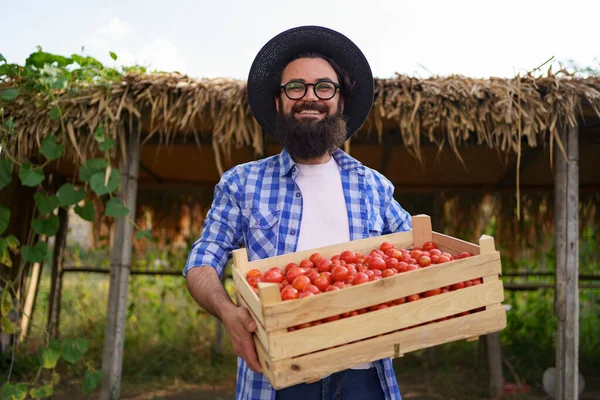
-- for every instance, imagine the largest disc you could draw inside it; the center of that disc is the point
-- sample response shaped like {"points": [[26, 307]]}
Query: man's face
{"points": [[310, 127], [310, 107]]}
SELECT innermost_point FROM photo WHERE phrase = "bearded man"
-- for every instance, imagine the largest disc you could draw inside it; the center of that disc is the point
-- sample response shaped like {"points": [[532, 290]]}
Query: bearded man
{"points": [[311, 89]]}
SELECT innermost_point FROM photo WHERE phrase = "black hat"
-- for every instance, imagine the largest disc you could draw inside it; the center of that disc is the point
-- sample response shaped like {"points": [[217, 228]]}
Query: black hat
{"points": [[279, 51]]}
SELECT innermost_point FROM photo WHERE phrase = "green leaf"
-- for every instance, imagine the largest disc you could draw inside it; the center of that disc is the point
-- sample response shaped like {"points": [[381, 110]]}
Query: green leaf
{"points": [[9, 94], [113, 55], [48, 226], [115, 208], [99, 134], [86, 61], [73, 349], [2, 58], [45, 204], [86, 212], [144, 234], [4, 219], [91, 167], [50, 148], [35, 253], [97, 182], [8, 326], [107, 145], [12, 242], [48, 357], [91, 380], [7, 303], [14, 392], [10, 124], [55, 378], [4, 254], [54, 113], [42, 391], [30, 177], [40, 58], [5, 172], [68, 195]]}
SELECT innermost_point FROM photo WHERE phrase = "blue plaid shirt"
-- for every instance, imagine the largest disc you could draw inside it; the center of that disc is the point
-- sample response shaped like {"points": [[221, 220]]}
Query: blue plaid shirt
{"points": [[259, 204]]}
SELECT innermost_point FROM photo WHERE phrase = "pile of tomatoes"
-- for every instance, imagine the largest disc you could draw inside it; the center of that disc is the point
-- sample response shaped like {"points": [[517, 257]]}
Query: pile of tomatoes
{"points": [[319, 274]]}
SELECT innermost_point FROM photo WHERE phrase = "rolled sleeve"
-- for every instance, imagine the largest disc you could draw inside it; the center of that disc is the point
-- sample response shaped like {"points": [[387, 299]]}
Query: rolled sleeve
{"points": [[222, 228], [397, 219]]}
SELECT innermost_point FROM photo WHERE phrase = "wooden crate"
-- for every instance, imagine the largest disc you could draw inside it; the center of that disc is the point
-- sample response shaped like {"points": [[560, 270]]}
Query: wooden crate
{"points": [[291, 357]]}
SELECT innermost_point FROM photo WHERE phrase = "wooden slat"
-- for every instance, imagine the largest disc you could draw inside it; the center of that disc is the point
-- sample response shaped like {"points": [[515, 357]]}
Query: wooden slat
{"points": [[240, 261], [374, 323], [289, 372], [421, 228], [401, 239], [269, 293], [453, 245], [296, 312], [244, 289]]}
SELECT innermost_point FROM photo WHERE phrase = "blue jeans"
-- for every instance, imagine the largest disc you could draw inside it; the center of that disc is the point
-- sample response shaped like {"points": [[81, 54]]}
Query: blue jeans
{"points": [[352, 384]]}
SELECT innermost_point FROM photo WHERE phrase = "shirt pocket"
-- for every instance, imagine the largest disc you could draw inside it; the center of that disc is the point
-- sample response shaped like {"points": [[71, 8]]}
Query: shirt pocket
{"points": [[261, 233], [376, 224]]}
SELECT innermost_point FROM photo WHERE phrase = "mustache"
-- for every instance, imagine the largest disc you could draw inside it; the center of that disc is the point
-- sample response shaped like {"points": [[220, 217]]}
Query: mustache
{"points": [[309, 107]]}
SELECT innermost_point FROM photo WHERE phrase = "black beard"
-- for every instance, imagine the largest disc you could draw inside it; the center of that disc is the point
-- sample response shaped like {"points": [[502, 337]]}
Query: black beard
{"points": [[307, 140]]}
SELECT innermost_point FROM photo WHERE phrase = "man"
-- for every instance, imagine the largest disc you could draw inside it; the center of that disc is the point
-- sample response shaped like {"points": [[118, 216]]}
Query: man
{"points": [[310, 88]]}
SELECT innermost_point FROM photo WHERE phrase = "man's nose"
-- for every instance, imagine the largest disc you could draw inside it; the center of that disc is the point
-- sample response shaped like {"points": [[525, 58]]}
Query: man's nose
{"points": [[310, 95]]}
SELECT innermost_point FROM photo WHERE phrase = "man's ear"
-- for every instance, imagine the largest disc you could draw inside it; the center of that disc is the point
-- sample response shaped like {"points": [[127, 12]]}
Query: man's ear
{"points": [[342, 104], [277, 103]]}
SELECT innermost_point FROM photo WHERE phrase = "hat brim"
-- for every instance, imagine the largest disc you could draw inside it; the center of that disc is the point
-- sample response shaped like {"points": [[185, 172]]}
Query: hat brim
{"points": [[273, 57]]}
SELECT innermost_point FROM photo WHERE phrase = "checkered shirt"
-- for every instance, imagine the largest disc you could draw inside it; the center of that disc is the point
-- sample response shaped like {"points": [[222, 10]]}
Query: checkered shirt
{"points": [[258, 204]]}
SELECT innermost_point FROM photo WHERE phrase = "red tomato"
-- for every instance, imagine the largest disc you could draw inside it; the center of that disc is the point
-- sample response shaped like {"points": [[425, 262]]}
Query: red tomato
{"points": [[289, 293], [315, 258], [468, 283], [464, 254], [312, 275], [431, 292], [339, 284], [402, 266], [311, 288], [336, 257], [392, 263], [322, 283], [443, 259], [301, 282], [284, 282], [377, 263], [412, 261], [394, 253], [424, 261], [415, 254], [350, 278], [339, 273], [324, 265], [399, 301], [411, 267], [253, 280], [446, 254], [375, 278], [253, 272], [332, 318], [348, 256], [385, 246], [306, 264], [413, 297], [369, 273], [377, 272], [388, 272], [332, 288], [290, 266], [294, 273], [405, 257], [429, 246], [435, 252], [435, 259], [457, 286], [305, 294], [477, 281], [328, 276], [273, 275], [360, 277], [351, 270]]}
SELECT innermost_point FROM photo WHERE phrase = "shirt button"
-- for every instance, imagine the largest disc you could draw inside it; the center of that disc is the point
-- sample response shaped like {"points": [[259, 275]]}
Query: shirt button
{"points": [[297, 194], [293, 169], [292, 232]]}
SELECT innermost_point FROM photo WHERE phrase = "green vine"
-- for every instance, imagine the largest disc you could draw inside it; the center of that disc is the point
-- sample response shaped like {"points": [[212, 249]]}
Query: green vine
{"points": [[47, 80]]}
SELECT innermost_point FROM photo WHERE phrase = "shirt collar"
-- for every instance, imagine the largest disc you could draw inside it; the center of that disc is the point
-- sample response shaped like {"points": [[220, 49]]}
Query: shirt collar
{"points": [[343, 160]]}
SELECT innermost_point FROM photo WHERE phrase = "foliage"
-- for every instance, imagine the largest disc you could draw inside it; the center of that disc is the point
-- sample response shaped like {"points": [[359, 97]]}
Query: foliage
{"points": [[46, 80]]}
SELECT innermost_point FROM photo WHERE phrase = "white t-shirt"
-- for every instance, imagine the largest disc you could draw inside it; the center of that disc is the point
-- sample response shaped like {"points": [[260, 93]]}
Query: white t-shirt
{"points": [[324, 213]]}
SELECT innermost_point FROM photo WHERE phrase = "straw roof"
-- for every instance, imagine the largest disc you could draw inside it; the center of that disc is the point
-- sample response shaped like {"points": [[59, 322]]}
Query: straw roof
{"points": [[446, 111]]}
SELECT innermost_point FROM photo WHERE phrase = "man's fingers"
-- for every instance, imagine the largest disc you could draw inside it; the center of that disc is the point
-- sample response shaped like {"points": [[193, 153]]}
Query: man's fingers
{"points": [[249, 323], [250, 352]]}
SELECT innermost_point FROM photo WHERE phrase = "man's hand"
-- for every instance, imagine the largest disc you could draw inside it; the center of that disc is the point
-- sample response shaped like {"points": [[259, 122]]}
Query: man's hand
{"points": [[240, 325]]}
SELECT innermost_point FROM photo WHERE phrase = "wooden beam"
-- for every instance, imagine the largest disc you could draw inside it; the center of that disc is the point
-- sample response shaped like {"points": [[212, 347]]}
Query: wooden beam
{"points": [[114, 334], [36, 270], [567, 265], [56, 275]]}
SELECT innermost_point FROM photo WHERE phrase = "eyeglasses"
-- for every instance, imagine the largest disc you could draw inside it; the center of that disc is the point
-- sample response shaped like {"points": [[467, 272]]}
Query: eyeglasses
{"points": [[324, 90]]}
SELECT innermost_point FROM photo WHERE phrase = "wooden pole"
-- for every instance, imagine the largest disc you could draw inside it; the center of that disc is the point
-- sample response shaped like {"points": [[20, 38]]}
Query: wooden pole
{"points": [[567, 266], [114, 334], [56, 276], [34, 281]]}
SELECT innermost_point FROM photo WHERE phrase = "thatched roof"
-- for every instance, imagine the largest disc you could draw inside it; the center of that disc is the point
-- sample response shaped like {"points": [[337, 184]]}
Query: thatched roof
{"points": [[446, 111]]}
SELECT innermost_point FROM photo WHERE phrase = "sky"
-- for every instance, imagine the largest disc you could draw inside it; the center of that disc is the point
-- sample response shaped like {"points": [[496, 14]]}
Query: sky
{"points": [[219, 38]]}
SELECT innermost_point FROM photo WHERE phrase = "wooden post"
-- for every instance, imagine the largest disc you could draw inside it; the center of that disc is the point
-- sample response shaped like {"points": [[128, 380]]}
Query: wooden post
{"points": [[56, 275], [36, 270], [567, 265], [114, 333]]}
